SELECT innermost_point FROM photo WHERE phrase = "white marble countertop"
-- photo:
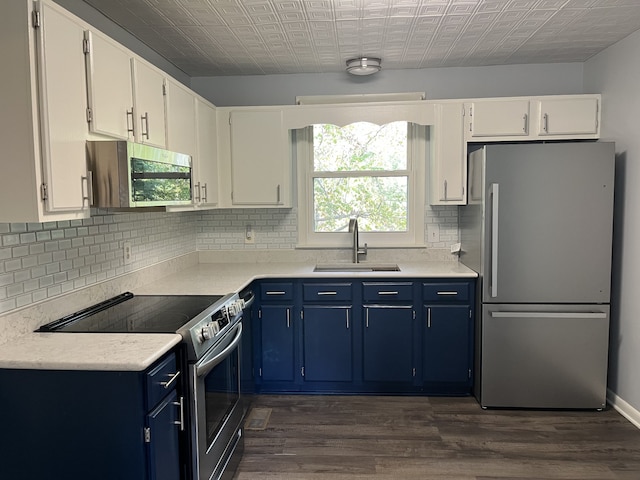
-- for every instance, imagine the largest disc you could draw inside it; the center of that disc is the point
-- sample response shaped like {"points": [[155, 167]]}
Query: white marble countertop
{"points": [[86, 351], [136, 352], [222, 278]]}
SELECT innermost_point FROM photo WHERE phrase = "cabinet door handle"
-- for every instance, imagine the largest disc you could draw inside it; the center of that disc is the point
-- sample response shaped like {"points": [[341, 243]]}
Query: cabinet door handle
{"points": [[525, 128], [89, 196], [181, 421], [288, 318], [495, 204], [327, 293], [545, 123], [384, 292], [275, 292], [428, 317], [204, 192], [196, 188], [169, 382], [145, 119], [347, 311], [444, 185], [447, 293], [366, 317], [131, 129], [278, 194]]}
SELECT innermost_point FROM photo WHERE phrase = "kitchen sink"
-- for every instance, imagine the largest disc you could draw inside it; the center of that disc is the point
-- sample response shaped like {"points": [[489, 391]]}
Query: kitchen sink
{"points": [[357, 267]]}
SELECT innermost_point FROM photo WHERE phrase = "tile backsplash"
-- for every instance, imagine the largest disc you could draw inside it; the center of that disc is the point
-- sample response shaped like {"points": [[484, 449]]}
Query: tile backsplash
{"points": [[42, 260], [39, 261]]}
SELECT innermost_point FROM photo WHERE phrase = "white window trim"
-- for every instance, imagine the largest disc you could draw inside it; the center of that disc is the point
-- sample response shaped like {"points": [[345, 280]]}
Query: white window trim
{"points": [[414, 237]]}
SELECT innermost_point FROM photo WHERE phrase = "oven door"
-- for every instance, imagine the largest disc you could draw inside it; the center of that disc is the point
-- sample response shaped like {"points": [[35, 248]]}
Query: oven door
{"points": [[217, 412]]}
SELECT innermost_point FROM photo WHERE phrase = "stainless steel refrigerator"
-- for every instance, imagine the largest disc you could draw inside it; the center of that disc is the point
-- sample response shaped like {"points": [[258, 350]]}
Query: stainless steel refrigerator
{"points": [[538, 230]]}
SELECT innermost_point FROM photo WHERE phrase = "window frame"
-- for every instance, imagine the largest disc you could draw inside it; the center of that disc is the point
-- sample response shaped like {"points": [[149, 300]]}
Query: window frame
{"points": [[417, 151]]}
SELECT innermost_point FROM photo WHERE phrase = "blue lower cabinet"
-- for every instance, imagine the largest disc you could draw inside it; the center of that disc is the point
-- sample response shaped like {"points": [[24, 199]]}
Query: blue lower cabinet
{"points": [[98, 425], [387, 344], [163, 440], [447, 341], [277, 343], [327, 343]]}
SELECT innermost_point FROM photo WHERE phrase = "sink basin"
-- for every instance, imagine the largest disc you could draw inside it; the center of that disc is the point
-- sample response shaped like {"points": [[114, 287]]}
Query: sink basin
{"points": [[357, 267]]}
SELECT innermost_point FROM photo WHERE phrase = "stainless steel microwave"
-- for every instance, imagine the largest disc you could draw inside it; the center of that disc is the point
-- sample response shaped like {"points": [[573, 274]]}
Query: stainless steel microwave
{"points": [[128, 175]]}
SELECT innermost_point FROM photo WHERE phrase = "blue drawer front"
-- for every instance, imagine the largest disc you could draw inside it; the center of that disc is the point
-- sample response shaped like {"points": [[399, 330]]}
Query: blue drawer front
{"points": [[446, 292], [161, 379], [274, 291], [387, 291], [327, 292]]}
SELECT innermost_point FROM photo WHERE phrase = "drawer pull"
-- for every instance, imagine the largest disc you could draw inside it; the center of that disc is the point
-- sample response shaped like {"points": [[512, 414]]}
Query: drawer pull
{"points": [[169, 382], [275, 292], [447, 293], [327, 293], [383, 292]]}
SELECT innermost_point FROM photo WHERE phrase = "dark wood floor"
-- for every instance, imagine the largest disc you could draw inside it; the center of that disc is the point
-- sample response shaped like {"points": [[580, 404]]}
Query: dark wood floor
{"points": [[398, 438]]}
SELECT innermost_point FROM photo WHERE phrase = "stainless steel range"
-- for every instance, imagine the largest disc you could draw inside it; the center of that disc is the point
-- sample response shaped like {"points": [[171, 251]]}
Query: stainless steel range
{"points": [[211, 330]]}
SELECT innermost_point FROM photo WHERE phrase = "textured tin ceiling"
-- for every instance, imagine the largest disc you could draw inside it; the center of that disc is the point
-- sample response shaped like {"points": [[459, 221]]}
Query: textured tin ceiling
{"points": [[249, 37]]}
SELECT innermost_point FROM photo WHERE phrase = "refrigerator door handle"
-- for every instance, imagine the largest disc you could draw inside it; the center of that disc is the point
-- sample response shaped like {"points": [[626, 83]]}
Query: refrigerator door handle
{"points": [[548, 315], [495, 202]]}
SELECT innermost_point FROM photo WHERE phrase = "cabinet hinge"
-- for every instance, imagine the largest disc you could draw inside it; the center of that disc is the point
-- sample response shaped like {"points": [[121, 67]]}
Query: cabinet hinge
{"points": [[164, 88], [469, 373], [471, 111], [229, 119], [413, 371], [259, 313], [35, 19], [414, 314], [302, 371], [301, 314], [147, 435], [86, 46], [89, 115], [44, 193], [470, 313]]}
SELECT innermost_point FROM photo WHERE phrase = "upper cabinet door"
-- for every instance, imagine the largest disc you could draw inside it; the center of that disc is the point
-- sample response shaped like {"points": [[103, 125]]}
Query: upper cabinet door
{"points": [[499, 118], [568, 116], [260, 165], [207, 158], [448, 162], [63, 125], [110, 90], [181, 119], [148, 91]]}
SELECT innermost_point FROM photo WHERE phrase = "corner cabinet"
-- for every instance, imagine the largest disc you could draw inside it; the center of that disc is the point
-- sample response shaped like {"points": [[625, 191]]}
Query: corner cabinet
{"points": [[134, 418], [260, 159], [43, 99]]}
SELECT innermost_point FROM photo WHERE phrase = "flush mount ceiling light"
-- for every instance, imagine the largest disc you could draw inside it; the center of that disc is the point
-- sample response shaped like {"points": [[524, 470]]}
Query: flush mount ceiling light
{"points": [[363, 66]]}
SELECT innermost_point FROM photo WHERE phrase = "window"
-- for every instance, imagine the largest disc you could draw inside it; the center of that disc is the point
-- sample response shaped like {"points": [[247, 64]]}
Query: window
{"points": [[374, 173]]}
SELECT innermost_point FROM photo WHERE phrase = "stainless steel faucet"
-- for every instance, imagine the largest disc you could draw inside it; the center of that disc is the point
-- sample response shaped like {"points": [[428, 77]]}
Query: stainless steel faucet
{"points": [[357, 251]]}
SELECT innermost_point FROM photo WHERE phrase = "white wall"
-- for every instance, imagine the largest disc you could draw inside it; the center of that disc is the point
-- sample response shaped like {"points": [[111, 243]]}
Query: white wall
{"points": [[438, 83], [615, 73]]}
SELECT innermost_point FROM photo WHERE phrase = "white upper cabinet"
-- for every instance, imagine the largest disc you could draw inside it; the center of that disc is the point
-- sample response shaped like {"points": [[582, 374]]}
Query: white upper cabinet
{"points": [[43, 98], [260, 160], [148, 104], [110, 89], [568, 116], [563, 117], [206, 166], [448, 163], [499, 118], [181, 119]]}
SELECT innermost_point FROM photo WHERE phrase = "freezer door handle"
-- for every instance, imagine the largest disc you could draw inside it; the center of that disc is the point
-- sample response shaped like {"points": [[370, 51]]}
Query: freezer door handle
{"points": [[548, 315], [495, 203]]}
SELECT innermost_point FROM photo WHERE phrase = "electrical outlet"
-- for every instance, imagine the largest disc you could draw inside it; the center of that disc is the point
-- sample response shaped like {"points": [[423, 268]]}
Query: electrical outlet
{"points": [[126, 253], [249, 235], [433, 233]]}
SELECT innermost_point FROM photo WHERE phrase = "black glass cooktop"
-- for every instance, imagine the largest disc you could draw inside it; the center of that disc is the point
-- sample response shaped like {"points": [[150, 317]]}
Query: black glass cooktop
{"points": [[128, 313]]}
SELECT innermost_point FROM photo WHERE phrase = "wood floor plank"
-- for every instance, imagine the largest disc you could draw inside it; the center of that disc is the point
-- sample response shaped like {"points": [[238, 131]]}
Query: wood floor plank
{"points": [[311, 437]]}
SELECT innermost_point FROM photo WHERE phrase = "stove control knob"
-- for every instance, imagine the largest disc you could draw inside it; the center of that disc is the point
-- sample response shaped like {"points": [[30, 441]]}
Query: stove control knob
{"points": [[206, 333]]}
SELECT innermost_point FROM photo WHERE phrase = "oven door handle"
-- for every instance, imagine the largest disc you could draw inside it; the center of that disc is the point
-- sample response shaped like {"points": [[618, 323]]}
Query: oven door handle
{"points": [[209, 361]]}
